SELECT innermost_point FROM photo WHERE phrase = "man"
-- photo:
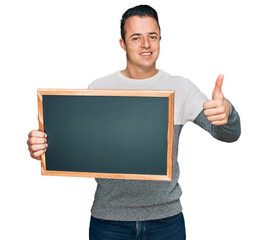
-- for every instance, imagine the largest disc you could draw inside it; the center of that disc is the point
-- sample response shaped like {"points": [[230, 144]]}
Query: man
{"points": [[133, 209]]}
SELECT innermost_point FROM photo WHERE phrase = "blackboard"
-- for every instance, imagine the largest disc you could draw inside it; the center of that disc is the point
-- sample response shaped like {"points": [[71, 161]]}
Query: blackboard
{"points": [[124, 134]]}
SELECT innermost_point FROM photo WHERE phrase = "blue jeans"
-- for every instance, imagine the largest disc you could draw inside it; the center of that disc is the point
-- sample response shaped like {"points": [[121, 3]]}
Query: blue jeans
{"points": [[171, 228]]}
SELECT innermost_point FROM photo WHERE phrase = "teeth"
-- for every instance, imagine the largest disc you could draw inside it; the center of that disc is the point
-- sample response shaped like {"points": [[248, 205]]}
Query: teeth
{"points": [[146, 54]]}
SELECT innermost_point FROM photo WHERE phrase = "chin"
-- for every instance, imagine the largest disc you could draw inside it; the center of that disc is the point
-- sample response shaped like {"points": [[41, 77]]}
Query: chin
{"points": [[149, 64]]}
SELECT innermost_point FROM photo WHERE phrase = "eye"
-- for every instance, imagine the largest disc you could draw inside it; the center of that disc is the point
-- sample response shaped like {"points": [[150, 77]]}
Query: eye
{"points": [[154, 37], [135, 38]]}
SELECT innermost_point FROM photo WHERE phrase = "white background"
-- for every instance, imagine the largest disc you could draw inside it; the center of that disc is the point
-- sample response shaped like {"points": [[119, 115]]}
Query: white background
{"points": [[68, 44]]}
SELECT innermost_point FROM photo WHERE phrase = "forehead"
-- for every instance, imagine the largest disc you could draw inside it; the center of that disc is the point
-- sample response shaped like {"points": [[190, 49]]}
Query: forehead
{"points": [[136, 24]]}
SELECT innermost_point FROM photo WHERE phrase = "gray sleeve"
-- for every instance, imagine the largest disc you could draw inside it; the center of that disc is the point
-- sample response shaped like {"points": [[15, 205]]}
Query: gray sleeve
{"points": [[229, 132]]}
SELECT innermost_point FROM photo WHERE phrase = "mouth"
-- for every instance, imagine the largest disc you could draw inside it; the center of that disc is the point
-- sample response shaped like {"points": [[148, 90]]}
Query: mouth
{"points": [[146, 53]]}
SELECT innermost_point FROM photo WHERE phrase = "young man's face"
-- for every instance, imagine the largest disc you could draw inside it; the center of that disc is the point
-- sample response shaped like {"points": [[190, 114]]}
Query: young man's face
{"points": [[142, 42]]}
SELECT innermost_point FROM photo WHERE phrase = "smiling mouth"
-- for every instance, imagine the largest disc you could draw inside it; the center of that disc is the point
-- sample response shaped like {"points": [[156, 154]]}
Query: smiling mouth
{"points": [[146, 53]]}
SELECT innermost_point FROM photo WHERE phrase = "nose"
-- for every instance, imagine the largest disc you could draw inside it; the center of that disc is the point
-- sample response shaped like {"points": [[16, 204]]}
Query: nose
{"points": [[146, 43]]}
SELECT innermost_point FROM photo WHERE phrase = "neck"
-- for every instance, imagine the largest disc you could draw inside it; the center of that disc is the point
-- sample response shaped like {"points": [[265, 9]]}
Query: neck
{"points": [[139, 73]]}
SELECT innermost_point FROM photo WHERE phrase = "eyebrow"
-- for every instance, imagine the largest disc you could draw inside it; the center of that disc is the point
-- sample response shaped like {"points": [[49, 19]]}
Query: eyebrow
{"points": [[152, 33], [138, 34]]}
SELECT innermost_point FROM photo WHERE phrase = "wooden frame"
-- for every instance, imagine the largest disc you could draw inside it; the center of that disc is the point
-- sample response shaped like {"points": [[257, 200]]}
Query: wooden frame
{"points": [[128, 93]]}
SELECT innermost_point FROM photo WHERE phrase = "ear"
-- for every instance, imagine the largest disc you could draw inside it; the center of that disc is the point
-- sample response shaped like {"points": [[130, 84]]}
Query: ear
{"points": [[122, 44]]}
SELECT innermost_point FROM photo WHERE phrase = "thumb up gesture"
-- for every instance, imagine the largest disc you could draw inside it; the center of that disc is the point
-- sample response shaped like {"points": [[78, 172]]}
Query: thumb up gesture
{"points": [[218, 109]]}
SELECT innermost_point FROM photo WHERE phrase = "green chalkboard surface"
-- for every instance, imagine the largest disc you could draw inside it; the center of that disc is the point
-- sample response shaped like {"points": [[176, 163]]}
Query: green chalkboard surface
{"points": [[107, 135]]}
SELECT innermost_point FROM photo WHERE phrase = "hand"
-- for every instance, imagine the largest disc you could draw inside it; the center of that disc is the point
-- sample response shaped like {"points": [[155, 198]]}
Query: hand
{"points": [[37, 144], [218, 109]]}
